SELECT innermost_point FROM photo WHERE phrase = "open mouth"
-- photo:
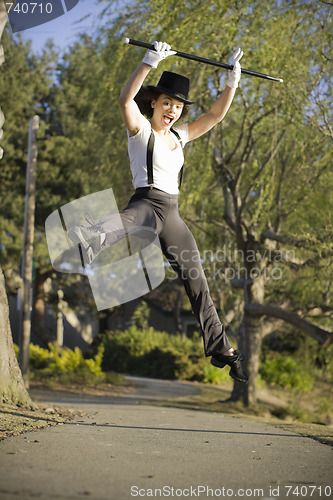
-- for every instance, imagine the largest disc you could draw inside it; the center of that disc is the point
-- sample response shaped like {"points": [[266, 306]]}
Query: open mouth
{"points": [[168, 119]]}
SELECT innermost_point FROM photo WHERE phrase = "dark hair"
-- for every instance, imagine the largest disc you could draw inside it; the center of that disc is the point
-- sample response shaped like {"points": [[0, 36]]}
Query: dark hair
{"points": [[144, 99]]}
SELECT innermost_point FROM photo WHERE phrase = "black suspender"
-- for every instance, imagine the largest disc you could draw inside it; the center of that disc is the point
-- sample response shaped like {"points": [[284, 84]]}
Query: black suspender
{"points": [[182, 169], [150, 150]]}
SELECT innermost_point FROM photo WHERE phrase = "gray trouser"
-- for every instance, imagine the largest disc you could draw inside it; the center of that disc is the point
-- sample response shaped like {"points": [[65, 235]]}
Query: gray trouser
{"points": [[159, 210]]}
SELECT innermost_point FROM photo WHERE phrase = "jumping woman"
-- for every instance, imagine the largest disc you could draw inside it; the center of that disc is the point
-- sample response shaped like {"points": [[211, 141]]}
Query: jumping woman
{"points": [[156, 157]]}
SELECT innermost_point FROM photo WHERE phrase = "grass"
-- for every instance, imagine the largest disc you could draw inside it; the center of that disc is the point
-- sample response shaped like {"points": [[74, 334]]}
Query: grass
{"points": [[283, 409], [15, 420]]}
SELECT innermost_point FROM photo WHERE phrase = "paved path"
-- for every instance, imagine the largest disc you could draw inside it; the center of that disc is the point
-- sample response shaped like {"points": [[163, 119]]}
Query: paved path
{"points": [[123, 450]]}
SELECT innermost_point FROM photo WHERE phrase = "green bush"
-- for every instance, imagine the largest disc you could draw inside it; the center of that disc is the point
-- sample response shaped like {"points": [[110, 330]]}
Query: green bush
{"points": [[285, 371], [156, 354], [307, 351], [39, 358], [213, 375], [148, 353], [65, 365]]}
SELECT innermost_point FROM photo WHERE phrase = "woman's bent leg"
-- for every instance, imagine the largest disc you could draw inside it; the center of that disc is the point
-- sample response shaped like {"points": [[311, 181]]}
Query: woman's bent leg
{"points": [[138, 214]]}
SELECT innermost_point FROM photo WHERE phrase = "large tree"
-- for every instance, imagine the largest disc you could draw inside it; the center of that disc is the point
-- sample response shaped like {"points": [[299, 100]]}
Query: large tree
{"points": [[12, 388]]}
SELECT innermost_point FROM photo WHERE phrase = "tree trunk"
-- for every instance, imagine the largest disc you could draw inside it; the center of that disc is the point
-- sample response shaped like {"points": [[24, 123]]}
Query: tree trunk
{"points": [[12, 390], [253, 329], [250, 344], [38, 322], [178, 309]]}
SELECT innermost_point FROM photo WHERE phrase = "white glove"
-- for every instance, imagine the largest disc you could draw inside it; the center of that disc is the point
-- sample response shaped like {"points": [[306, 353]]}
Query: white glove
{"points": [[235, 74], [162, 50]]}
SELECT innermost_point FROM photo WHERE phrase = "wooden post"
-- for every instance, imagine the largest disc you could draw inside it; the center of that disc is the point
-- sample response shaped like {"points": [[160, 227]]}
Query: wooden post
{"points": [[27, 259], [60, 321]]}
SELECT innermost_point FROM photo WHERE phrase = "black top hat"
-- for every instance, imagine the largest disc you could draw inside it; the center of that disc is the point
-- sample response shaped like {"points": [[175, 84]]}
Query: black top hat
{"points": [[173, 85]]}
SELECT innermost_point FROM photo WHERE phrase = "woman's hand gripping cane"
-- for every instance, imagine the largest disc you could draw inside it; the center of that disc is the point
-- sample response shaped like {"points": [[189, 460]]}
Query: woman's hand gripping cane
{"points": [[235, 74], [162, 50]]}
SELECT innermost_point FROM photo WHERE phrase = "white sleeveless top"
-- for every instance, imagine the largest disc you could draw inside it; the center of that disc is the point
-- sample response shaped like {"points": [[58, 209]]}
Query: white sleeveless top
{"points": [[166, 163]]}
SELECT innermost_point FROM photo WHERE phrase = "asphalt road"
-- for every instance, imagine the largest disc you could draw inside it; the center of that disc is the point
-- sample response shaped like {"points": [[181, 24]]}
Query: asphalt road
{"points": [[123, 450]]}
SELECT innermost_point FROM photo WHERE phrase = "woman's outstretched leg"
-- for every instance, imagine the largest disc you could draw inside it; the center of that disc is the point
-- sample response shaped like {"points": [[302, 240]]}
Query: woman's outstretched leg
{"points": [[180, 248]]}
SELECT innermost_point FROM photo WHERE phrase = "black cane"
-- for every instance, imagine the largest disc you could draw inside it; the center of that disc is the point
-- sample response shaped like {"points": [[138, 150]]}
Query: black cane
{"points": [[204, 60]]}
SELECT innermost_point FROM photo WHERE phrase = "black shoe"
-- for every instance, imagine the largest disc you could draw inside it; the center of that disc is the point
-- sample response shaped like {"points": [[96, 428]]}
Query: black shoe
{"points": [[88, 236], [237, 371]]}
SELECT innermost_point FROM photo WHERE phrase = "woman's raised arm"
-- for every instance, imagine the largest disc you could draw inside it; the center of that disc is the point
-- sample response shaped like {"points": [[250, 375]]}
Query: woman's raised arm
{"points": [[130, 112], [221, 105]]}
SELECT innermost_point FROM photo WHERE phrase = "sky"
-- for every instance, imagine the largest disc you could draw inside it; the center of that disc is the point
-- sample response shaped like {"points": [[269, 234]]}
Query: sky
{"points": [[64, 29]]}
